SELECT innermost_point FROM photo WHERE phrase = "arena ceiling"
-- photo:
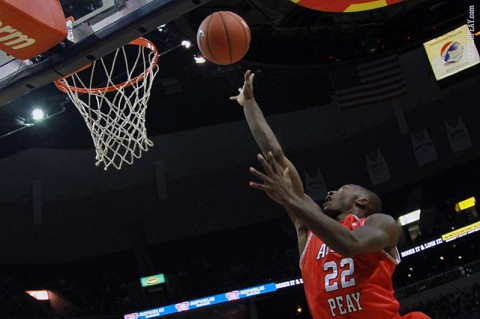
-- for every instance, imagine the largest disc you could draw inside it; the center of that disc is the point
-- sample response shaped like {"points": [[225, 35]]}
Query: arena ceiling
{"points": [[292, 50]]}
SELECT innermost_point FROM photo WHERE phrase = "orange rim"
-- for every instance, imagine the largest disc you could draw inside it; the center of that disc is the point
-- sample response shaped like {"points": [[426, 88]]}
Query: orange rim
{"points": [[142, 42]]}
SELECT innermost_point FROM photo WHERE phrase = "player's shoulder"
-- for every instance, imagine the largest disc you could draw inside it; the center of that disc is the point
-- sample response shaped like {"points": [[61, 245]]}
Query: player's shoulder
{"points": [[381, 219], [387, 225]]}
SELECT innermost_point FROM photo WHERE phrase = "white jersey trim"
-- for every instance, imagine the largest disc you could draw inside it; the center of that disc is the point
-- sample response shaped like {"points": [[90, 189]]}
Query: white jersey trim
{"points": [[305, 249], [396, 258]]}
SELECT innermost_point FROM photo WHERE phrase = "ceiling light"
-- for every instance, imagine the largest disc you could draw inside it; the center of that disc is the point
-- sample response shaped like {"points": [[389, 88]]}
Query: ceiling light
{"points": [[38, 115], [199, 59], [38, 294], [409, 218], [186, 44]]}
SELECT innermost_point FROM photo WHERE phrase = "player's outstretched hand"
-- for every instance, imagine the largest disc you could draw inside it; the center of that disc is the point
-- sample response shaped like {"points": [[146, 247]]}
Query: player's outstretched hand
{"points": [[277, 183], [245, 92]]}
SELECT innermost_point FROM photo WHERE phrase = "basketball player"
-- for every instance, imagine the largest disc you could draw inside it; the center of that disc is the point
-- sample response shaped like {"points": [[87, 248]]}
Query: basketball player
{"points": [[348, 248]]}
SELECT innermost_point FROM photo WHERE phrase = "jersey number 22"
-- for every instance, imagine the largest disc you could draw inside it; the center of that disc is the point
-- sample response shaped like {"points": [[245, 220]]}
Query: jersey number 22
{"points": [[335, 274]]}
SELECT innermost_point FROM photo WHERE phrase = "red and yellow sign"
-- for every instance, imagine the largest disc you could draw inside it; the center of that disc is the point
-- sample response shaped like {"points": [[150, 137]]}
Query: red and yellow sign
{"points": [[344, 5]]}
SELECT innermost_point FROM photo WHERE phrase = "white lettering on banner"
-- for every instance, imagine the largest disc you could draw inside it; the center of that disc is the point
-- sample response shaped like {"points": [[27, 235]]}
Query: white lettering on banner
{"points": [[14, 37], [430, 244], [283, 285], [202, 302], [341, 305], [422, 247], [252, 291], [405, 253], [289, 283], [151, 313]]}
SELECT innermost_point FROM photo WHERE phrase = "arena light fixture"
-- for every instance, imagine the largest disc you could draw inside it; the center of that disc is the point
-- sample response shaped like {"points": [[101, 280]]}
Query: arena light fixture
{"points": [[409, 217], [38, 114], [465, 204], [38, 294], [199, 59], [186, 44]]}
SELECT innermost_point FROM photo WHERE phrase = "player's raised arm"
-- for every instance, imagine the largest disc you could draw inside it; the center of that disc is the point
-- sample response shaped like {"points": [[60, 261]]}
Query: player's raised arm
{"points": [[268, 142], [379, 232], [261, 131]]}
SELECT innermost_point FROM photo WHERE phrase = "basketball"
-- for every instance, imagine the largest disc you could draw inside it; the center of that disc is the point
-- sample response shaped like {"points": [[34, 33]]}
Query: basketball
{"points": [[223, 38]]}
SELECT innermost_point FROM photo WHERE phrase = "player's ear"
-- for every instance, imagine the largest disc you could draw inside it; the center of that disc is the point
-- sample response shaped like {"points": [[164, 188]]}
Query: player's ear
{"points": [[361, 202]]}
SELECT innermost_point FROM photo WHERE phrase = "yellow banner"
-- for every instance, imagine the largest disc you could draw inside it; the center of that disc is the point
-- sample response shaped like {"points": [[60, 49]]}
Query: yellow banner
{"points": [[461, 231], [452, 52]]}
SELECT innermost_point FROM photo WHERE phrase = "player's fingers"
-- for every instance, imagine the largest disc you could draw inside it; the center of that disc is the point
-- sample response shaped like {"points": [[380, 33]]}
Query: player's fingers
{"points": [[273, 162], [257, 186], [266, 166], [247, 75], [258, 174], [233, 98], [252, 75], [286, 172]]}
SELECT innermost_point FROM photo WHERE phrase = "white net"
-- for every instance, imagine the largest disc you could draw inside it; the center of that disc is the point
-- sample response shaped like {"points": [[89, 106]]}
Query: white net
{"points": [[115, 114]]}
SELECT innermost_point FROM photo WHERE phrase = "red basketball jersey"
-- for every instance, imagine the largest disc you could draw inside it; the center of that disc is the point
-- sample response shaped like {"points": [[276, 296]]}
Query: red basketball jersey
{"points": [[359, 287]]}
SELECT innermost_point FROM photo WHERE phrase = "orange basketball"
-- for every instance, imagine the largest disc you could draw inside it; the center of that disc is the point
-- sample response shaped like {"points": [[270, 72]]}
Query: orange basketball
{"points": [[223, 38]]}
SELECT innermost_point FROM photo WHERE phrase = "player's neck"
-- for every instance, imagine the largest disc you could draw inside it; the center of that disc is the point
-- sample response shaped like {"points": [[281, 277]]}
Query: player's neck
{"points": [[353, 211], [341, 216]]}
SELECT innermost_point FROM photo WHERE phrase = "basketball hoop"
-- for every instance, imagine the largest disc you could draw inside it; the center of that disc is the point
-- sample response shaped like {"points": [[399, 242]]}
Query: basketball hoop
{"points": [[115, 113]]}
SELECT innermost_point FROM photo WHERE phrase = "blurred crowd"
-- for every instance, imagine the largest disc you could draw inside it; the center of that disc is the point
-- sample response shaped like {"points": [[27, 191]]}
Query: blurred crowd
{"points": [[200, 267], [459, 304]]}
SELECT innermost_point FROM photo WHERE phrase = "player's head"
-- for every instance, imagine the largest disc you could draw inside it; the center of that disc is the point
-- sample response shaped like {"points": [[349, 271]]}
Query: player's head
{"points": [[352, 199]]}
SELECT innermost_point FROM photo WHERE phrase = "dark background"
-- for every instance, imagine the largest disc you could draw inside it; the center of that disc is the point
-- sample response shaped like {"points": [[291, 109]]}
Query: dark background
{"points": [[185, 207]]}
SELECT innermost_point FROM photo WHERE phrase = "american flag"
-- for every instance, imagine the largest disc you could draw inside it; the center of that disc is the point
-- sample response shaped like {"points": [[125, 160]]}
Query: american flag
{"points": [[368, 83]]}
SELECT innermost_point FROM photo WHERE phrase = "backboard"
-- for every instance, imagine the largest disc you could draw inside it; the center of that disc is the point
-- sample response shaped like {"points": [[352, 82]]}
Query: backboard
{"points": [[98, 28]]}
